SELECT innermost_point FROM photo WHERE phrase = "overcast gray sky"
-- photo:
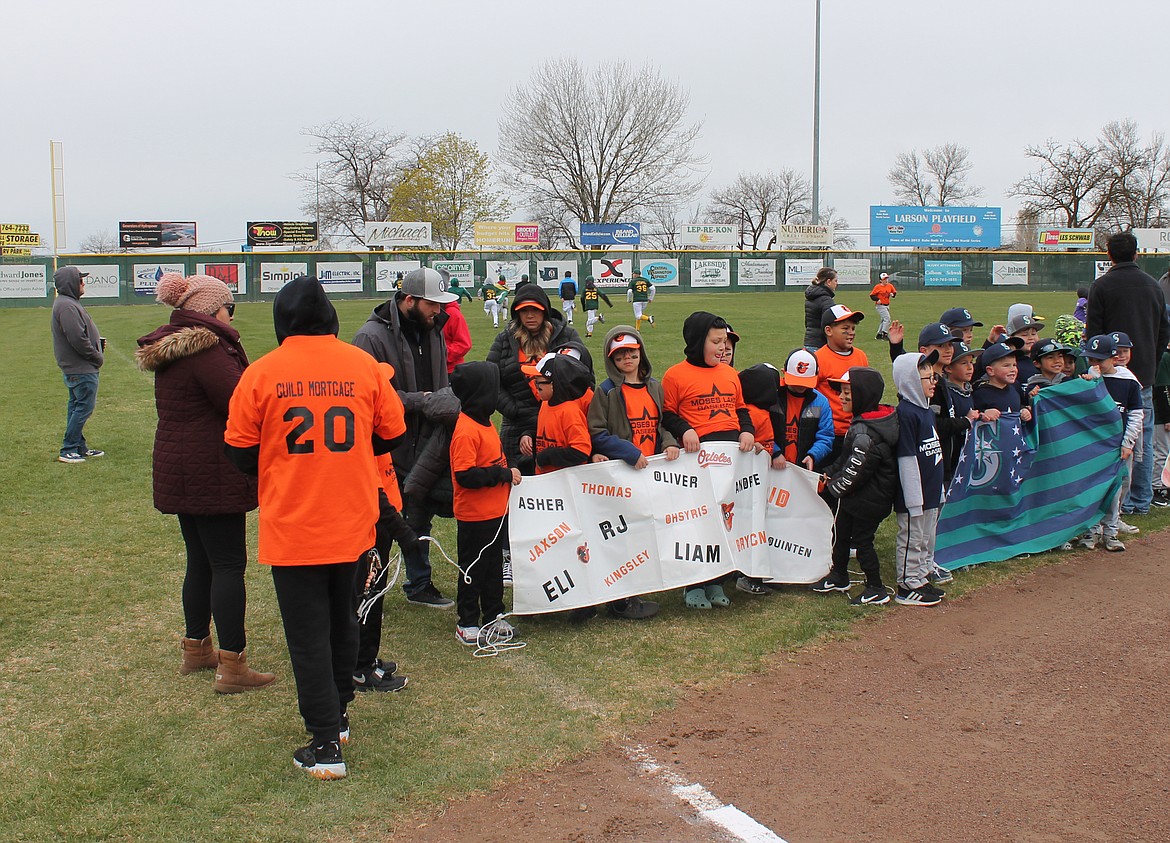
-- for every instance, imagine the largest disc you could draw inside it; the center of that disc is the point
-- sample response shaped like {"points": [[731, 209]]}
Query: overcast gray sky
{"points": [[195, 111]]}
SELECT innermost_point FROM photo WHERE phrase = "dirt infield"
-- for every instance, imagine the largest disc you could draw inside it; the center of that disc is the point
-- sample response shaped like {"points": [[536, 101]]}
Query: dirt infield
{"points": [[1033, 710]]}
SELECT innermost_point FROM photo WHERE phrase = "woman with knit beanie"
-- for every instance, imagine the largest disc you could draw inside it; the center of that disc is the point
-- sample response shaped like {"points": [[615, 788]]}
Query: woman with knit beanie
{"points": [[197, 360]]}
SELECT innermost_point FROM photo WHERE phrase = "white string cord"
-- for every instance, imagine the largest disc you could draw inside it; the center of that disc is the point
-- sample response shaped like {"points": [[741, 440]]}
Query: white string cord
{"points": [[377, 572]]}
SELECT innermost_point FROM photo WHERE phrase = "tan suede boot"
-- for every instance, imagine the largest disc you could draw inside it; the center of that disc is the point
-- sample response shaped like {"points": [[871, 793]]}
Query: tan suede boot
{"points": [[198, 655], [233, 676]]}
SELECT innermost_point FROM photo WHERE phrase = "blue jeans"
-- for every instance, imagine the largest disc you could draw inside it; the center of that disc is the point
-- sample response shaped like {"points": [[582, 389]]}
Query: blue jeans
{"points": [[82, 400], [1141, 488], [419, 516]]}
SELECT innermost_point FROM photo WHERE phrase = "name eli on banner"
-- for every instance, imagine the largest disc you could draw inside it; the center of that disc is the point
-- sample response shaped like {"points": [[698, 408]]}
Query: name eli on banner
{"points": [[594, 533]]}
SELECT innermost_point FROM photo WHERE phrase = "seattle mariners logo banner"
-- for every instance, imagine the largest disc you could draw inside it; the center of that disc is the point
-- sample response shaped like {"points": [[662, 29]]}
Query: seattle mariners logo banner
{"points": [[594, 533], [1027, 488]]}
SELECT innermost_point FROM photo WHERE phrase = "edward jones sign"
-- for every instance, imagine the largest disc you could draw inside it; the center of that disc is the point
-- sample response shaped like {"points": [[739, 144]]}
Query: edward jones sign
{"points": [[391, 234]]}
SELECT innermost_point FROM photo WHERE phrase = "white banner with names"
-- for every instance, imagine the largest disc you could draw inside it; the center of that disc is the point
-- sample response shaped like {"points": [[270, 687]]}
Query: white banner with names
{"points": [[595, 533]]}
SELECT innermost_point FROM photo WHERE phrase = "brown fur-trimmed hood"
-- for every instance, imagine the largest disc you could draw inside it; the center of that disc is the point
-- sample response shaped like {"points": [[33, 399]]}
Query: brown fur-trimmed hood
{"points": [[185, 342]]}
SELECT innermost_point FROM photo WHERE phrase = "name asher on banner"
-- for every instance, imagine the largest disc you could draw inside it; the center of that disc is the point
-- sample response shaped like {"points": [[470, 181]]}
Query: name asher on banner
{"points": [[392, 234]]}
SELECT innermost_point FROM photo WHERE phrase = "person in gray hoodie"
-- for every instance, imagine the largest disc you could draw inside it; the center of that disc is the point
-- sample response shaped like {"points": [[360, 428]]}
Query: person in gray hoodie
{"points": [[920, 471], [79, 351]]}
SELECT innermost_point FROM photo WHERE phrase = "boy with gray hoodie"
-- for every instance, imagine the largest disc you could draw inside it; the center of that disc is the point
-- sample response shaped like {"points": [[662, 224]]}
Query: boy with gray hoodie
{"points": [[79, 352], [920, 470]]}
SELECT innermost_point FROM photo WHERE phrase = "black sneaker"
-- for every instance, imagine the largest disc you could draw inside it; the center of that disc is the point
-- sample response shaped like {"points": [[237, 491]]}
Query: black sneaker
{"points": [[934, 589], [376, 679], [580, 616], [917, 597], [343, 735], [871, 597], [93, 452], [430, 596], [829, 584], [321, 762], [633, 609], [1161, 497], [748, 585]]}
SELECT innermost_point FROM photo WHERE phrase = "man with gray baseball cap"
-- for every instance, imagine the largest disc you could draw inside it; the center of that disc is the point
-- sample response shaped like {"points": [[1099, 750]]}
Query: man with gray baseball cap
{"points": [[407, 333], [79, 350]]}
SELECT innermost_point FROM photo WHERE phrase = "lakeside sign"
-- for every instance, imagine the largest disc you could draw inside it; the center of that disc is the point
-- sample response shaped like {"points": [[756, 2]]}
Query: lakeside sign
{"points": [[387, 235], [911, 225], [611, 233]]}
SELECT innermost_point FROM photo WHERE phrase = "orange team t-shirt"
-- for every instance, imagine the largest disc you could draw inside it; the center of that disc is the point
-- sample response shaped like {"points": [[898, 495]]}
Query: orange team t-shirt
{"points": [[705, 397], [830, 364], [884, 293], [762, 420], [792, 410], [474, 445], [644, 416], [561, 426], [312, 405]]}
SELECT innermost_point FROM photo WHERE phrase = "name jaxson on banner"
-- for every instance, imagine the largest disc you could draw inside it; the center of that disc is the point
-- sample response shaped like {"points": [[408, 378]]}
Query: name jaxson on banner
{"points": [[616, 531]]}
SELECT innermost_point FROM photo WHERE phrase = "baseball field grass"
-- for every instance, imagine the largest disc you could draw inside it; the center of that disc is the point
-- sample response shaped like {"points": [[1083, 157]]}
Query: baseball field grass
{"points": [[104, 740]]}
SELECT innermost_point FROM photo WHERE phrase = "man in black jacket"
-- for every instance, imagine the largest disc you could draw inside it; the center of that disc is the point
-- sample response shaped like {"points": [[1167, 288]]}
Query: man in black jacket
{"points": [[407, 333], [1127, 299]]}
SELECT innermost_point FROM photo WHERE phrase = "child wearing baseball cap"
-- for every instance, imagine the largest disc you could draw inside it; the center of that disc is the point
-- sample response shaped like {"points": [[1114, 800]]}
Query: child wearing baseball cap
{"points": [[834, 359], [998, 392]]}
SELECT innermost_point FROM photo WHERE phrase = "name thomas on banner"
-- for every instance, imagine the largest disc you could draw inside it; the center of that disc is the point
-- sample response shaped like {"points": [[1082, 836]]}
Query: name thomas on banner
{"points": [[594, 533]]}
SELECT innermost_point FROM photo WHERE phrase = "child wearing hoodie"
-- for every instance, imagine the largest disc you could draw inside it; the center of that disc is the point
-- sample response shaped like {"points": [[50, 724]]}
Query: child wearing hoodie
{"points": [[562, 434], [863, 480], [625, 422], [920, 472], [703, 402], [481, 479]]}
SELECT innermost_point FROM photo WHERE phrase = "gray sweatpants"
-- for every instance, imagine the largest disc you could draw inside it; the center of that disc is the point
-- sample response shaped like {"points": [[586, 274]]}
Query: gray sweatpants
{"points": [[915, 547]]}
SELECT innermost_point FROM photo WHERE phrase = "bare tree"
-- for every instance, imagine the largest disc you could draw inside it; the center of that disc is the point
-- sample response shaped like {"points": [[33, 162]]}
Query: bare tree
{"points": [[1072, 185], [939, 177], [604, 146], [758, 202], [101, 243], [358, 178], [842, 239], [1141, 177], [1027, 230], [662, 230]]}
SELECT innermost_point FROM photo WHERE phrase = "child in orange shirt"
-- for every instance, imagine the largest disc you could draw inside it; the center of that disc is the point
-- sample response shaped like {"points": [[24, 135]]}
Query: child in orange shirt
{"points": [[481, 479], [881, 294], [562, 432], [703, 402], [834, 359]]}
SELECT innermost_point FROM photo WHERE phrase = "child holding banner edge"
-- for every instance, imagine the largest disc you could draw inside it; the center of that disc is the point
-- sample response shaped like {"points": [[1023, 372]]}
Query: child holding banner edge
{"points": [[625, 422], [703, 402]]}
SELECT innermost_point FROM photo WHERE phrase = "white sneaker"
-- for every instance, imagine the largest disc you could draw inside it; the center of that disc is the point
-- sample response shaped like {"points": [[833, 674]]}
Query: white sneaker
{"points": [[497, 631], [507, 571], [468, 635], [1127, 529]]}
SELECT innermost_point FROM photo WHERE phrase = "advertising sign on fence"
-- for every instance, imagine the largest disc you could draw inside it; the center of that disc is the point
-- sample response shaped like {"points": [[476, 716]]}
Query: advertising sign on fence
{"points": [[104, 281], [287, 233], [1100, 268], [709, 235], [908, 225], [505, 234], [147, 275], [235, 275], [804, 236], [550, 274], [612, 271], [757, 273], [661, 272], [156, 235], [387, 274], [463, 270], [273, 276], [340, 276], [511, 270], [852, 270], [1004, 273], [1153, 239], [942, 273], [1065, 238], [800, 273], [611, 233], [18, 281], [388, 235], [711, 272]]}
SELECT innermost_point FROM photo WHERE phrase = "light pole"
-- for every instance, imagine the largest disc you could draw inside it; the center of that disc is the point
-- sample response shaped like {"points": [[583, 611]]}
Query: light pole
{"points": [[816, 166]]}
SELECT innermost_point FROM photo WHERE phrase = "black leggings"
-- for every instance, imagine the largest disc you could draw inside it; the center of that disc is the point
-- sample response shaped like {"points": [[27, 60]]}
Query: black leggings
{"points": [[217, 554]]}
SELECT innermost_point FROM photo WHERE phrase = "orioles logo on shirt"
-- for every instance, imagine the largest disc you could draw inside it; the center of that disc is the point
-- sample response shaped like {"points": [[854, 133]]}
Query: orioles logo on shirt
{"points": [[728, 514], [583, 553]]}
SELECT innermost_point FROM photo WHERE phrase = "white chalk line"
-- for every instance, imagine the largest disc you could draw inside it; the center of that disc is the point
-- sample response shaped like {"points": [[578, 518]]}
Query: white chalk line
{"points": [[728, 817]]}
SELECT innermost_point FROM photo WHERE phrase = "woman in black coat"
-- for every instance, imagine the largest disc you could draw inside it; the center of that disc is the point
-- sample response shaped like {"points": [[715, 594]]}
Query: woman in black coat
{"points": [[197, 359], [534, 329], [818, 297]]}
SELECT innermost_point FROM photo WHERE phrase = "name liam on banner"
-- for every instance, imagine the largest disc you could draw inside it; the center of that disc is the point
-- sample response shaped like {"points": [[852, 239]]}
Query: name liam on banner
{"points": [[591, 534]]}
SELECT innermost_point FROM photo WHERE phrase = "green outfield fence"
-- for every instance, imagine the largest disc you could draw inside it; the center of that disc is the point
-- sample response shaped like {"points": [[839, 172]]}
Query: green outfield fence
{"points": [[128, 278]]}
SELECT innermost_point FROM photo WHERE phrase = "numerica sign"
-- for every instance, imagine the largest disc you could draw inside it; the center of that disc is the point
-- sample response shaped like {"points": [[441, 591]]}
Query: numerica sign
{"points": [[390, 234]]}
